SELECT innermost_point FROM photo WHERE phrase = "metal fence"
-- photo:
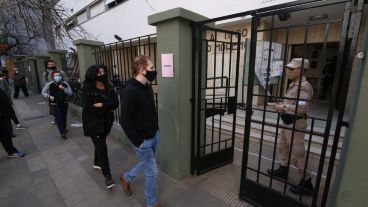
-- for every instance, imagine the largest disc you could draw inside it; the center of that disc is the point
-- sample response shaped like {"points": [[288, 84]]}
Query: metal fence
{"points": [[71, 69], [119, 57]]}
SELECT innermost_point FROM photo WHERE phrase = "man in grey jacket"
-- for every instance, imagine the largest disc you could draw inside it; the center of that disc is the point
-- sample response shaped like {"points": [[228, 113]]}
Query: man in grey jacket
{"points": [[46, 76]]}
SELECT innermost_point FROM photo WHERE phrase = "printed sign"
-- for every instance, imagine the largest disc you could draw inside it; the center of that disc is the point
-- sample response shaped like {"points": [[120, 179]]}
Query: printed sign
{"points": [[167, 61]]}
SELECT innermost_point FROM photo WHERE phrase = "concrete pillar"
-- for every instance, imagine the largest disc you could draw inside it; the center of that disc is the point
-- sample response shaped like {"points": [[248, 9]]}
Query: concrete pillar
{"points": [[174, 35], [351, 178], [59, 57], [40, 67], [86, 57]]}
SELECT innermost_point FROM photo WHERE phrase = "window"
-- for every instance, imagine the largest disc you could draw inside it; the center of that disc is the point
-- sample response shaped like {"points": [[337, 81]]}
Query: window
{"points": [[113, 3], [82, 17], [97, 8]]}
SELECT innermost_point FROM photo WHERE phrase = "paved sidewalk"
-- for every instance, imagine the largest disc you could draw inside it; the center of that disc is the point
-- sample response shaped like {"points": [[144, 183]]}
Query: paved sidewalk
{"points": [[58, 173]]}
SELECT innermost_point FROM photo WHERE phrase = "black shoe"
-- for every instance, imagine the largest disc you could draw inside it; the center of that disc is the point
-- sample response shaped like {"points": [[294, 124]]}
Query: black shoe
{"points": [[109, 183], [13, 135], [63, 135], [305, 187], [281, 172]]}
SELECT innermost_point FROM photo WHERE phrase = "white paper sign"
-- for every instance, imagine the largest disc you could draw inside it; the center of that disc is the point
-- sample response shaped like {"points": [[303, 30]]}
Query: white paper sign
{"points": [[167, 61]]}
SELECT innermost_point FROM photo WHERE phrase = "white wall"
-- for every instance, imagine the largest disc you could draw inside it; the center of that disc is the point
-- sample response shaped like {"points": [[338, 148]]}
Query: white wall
{"points": [[129, 19]]}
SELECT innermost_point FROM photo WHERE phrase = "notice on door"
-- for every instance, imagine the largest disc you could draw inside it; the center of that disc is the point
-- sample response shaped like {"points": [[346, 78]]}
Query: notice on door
{"points": [[167, 61]]}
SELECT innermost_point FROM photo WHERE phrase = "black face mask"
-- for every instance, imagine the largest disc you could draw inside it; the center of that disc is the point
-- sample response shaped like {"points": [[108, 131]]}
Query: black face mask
{"points": [[53, 68], [151, 75], [101, 78]]}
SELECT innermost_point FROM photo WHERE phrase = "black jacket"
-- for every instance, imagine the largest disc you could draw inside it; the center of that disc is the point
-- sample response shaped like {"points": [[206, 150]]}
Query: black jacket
{"points": [[98, 121], [138, 112], [5, 115], [19, 80]]}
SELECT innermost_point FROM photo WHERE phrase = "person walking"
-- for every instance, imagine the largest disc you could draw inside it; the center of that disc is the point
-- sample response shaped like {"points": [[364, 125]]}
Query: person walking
{"points": [[20, 82], [139, 122], [6, 88], [47, 75], [289, 108], [99, 102], [57, 92], [5, 131]]}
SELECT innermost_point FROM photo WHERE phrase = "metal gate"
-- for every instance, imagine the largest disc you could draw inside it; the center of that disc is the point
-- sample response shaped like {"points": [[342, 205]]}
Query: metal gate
{"points": [[215, 90], [258, 184]]}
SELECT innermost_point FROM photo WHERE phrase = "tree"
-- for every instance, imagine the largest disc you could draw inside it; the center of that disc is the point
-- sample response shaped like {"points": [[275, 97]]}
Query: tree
{"points": [[26, 23]]}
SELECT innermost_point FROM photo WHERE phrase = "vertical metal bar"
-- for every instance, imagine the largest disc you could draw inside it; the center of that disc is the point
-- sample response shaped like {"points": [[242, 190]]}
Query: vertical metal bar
{"points": [[205, 97], [199, 101], [266, 96], [228, 88], [344, 31], [244, 64], [352, 48], [214, 92], [131, 54], [125, 61], [149, 45], [236, 87], [139, 45], [248, 109], [193, 100], [222, 80]]}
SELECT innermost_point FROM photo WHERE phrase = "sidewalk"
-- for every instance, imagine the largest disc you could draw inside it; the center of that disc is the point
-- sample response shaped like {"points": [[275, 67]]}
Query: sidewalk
{"points": [[58, 173]]}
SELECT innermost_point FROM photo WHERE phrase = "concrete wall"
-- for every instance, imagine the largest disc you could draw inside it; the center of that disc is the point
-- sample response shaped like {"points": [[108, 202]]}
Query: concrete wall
{"points": [[129, 19]]}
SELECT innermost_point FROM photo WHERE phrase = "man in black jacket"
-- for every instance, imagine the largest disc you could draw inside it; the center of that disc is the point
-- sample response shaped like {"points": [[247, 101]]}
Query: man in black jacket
{"points": [[5, 130], [20, 81], [139, 122]]}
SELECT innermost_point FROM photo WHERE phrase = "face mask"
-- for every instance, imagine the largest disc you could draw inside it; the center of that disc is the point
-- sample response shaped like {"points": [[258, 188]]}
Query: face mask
{"points": [[58, 78], [151, 75], [101, 78]]}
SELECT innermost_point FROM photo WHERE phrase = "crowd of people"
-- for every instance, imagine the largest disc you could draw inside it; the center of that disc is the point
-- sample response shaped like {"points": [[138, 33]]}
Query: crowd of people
{"points": [[139, 119]]}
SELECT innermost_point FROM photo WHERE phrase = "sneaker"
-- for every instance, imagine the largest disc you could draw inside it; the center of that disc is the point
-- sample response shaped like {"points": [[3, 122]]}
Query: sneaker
{"points": [[109, 183], [17, 154], [18, 126], [96, 166], [63, 135], [281, 172], [13, 135], [305, 187], [52, 122]]}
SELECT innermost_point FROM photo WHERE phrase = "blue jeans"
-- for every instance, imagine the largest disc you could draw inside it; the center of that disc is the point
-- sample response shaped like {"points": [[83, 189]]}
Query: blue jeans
{"points": [[146, 156]]}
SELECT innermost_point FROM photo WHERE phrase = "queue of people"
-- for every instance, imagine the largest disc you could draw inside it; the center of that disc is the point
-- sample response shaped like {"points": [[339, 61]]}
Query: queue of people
{"points": [[139, 121]]}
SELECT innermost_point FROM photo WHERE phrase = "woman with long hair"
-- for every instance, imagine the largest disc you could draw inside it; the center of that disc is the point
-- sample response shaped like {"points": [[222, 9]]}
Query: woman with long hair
{"points": [[99, 102]]}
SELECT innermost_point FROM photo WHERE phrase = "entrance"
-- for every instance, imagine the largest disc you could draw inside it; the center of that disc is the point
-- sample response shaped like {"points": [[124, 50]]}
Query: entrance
{"points": [[279, 33]]}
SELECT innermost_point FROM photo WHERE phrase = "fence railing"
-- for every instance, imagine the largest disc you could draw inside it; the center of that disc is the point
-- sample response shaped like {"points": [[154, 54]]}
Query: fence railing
{"points": [[72, 71], [119, 57]]}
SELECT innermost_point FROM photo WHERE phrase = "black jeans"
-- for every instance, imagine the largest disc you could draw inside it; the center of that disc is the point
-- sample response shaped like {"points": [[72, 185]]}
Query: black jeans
{"points": [[60, 113], [16, 91], [5, 137], [101, 157]]}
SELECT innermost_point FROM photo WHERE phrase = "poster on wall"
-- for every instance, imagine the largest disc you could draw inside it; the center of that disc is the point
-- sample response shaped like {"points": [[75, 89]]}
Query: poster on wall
{"points": [[167, 61]]}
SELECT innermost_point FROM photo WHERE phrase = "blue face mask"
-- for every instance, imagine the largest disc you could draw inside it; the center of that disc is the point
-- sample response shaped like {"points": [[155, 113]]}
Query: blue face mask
{"points": [[58, 78]]}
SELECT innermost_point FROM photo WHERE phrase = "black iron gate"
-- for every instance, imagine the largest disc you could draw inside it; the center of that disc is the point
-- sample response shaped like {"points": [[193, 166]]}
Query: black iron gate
{"points": [[313, 30], [215, 80], [259, 185]]}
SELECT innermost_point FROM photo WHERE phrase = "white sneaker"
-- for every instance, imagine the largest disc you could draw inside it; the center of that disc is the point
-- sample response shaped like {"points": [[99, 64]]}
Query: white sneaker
{"points": [[52, 122], [18, 126]]}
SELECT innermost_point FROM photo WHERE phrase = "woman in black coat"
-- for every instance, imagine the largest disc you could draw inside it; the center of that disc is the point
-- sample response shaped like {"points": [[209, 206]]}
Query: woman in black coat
{"points": [[99, 101]]}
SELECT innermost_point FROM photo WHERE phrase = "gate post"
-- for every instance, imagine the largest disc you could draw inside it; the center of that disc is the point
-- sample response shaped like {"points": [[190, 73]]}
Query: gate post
{"points": [[86, 56], [174, 35]]}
